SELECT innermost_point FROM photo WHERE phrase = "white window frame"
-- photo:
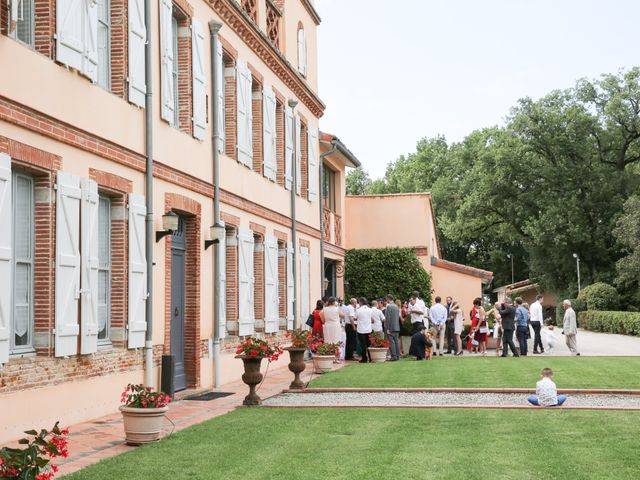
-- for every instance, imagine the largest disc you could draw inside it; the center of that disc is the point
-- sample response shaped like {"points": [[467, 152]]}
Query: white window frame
{"points": [[104, 63], [104, 265], [175, 72], [13, 348], [20, 17]]}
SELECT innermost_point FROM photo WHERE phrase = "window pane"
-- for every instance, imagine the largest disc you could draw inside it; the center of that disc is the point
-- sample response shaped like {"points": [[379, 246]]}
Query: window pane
{"points": [[25, 26], [104, 233], [104, 70], [103, 301], [22, 221], [104, 265], [176, 113]]}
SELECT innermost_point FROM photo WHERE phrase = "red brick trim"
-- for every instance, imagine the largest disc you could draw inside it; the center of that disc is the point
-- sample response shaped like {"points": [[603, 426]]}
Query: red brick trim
{"points": [[230, 220], [280, 143], [485, 275], [31, 155], [282, 236], [192, 220], [304, 243], [303, 118], [257, 76], [45, 20], [184, 6], [257, 127], [421, 251], [257, 228], [279, 96], [119, 46], [111, 181], [60, 131], [232, 15], [185, 82], [230, 109], [228, 48]]}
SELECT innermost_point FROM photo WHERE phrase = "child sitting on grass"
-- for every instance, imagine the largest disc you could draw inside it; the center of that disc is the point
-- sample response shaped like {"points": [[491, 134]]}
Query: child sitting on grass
{"points": [[546, 391]]}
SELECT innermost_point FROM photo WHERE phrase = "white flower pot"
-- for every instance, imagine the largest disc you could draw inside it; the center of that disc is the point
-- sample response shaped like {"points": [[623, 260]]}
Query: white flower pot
{"points": [[142, 425], [323, 363], [378, 355]]}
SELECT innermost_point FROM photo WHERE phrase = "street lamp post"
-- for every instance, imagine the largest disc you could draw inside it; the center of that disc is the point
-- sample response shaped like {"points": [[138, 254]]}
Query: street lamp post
{"points": [[511, 257], [575, 255]]}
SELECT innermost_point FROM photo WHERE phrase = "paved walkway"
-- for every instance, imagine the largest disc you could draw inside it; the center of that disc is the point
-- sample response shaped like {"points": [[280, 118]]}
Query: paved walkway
{"points": [[92, 441]]}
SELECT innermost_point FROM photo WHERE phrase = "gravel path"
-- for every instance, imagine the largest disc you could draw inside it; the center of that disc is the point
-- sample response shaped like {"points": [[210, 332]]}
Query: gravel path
{"points": [[425, 398]]}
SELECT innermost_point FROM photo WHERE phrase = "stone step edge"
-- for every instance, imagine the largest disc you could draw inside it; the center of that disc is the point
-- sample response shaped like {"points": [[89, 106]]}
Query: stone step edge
{"points": [[584, 391], [460, 406]]}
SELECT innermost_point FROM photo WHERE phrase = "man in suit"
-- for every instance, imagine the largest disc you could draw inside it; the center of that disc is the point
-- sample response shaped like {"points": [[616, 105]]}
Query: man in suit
{"points": [[392, 327], [508, 315], [570, 326]]}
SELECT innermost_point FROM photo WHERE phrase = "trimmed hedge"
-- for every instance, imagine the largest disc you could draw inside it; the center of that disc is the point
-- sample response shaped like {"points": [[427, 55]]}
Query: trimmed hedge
{"points": [[374, 273], [600, 296], [623, 323], [577, 305]]}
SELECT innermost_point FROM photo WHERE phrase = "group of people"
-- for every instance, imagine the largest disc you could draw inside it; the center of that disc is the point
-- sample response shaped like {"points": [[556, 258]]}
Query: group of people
{"points": [[351, 325]]}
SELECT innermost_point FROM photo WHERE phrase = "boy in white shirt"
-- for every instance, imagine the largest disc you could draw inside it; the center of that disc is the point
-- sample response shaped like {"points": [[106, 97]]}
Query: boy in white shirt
{"points": [[546, 391], [550, 337]]}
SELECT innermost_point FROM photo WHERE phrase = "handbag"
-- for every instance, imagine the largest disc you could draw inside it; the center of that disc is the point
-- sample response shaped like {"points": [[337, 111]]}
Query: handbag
{"points": [[310, 320], [484, 329]]}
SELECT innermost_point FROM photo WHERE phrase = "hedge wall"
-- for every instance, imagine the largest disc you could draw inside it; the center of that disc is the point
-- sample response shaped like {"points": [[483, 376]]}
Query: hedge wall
{"points": [[600, 296], [624, 323], [374, 273]]}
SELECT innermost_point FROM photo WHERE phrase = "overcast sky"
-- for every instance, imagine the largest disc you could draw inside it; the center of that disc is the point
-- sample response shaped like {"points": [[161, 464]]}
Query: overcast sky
{"points": [[392, 72]]}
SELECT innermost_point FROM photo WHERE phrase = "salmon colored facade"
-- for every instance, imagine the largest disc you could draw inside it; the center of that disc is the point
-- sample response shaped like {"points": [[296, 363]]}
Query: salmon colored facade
{"points": [[72, 166], [408, 221]]}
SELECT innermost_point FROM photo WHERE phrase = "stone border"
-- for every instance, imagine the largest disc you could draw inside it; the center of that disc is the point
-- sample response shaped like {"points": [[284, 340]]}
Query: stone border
{"points": [[588, 391], [486, 407]]}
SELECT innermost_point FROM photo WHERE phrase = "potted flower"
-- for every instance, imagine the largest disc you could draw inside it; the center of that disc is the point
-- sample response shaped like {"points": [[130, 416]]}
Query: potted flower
{"points": [[301, 341], [142, 412], [34, 460], [252, 351], [378, 347], [324, 354]]}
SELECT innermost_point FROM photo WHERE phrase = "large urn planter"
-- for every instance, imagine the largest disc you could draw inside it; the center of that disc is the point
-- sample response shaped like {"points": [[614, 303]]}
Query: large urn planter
{"points": [[251, 377], [142, 425], [323, 363], [296, 366], [378, 355]]}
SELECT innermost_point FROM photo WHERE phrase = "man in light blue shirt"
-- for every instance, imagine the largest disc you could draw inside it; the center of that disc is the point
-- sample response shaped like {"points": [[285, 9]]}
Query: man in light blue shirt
{"points": [[438, 314], [522, 325]]}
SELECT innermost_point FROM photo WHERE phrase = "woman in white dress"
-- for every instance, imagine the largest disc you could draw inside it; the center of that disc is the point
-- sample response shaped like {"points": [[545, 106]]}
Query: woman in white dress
{"points": [[330, 316]]}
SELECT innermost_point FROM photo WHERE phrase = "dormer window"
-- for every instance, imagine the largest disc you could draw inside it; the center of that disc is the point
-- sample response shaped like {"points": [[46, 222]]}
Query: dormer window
{"points": [[302, 51]]}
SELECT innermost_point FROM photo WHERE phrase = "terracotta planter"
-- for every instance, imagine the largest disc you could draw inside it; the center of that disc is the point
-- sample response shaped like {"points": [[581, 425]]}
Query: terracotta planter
{"points": [[323, 363], [251, 377], [378, 355], [296, 366], [142, 425]]}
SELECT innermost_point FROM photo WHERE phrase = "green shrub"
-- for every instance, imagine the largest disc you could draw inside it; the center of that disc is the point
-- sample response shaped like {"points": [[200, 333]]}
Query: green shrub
{"points": [[577, 305], [374, 273], [600, 296], [623, 323]]}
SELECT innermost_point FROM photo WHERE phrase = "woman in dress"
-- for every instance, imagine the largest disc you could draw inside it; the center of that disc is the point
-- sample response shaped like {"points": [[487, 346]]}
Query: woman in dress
{"points": [[317, 321], [330, 316], [482, 327]]}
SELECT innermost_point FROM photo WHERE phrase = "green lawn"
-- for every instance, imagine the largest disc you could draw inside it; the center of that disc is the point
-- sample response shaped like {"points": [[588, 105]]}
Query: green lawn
{"points": [[372, 444], [490, 371]]}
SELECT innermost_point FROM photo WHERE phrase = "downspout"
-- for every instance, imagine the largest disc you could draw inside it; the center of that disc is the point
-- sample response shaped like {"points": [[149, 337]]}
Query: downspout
{"points": [[294, 186], [148, 243], [334, 147], [217, 332]]}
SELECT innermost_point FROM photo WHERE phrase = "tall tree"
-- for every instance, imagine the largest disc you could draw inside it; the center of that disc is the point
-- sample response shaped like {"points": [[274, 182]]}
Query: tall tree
{"points": [[357, 181]]}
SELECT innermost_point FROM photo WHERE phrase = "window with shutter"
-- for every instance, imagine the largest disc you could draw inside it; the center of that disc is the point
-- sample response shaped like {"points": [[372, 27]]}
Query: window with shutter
{"points": [[175, 121], [221, 308], [104, 270], [269, 132], [22, 21], [104, 44], [69, 32], [89, 246], [302, 52], [298, 143], [288, 147], [244, 114], [137, 271], [23, 245], [90, 36], [6, 256], [136, 42], [168, 60], [67, 286], [199, 78], [312, 146], [221, 125], [290, 285], [245, 283], [305, 308], [270, 284]]}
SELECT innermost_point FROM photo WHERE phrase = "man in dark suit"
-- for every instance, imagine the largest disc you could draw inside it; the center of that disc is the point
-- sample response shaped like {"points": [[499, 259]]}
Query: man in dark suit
{"points": [[508, 315], [392, 327], [419, 343]]}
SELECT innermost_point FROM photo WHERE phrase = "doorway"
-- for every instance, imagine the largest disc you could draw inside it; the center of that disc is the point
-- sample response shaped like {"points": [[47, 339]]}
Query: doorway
{"points": [[329, 278], [178, 247]]}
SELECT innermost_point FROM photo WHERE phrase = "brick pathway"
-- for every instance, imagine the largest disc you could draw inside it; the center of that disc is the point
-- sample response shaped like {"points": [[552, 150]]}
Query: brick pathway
{"points": [[92, 441]]}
